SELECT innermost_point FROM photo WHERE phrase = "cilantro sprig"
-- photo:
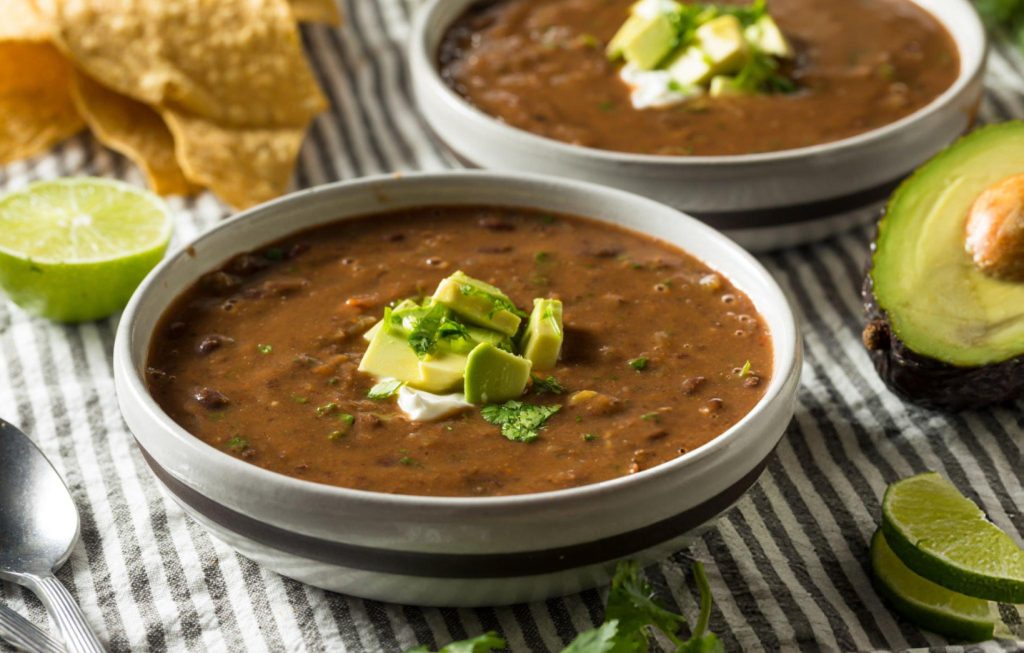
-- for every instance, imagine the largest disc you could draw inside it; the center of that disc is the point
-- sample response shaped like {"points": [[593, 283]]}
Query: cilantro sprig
{"points": [[549, 385], [631, 617], [519, 422], [482, 644], [1006, 16], [760, 74]]}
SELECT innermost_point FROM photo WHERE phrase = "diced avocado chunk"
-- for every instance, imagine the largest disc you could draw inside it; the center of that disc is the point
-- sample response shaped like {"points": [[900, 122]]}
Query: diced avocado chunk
{"points": [[542, 341], [725, 86], [372, 331], [476, 335], [441, 373], [625, 35], [691, 67], [494, 376], [766, 36], [478, 302], [722, 41], [651, 42], [389, 356]]}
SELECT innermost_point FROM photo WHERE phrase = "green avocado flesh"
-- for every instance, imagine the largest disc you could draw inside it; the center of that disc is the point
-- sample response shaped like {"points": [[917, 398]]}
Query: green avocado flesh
{"points": [[938, 303]]}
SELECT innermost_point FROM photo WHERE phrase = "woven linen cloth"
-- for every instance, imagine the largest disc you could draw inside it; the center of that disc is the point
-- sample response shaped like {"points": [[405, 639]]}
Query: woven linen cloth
{"points": [[788, 565]]}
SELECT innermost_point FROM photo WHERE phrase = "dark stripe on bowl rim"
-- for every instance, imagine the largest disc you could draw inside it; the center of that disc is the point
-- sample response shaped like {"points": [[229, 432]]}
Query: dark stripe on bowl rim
{"points": [[456, 565], [776, 216]]}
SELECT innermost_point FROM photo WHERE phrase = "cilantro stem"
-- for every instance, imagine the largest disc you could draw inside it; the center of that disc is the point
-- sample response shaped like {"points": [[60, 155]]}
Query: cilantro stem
{"points": [[705, 599]]}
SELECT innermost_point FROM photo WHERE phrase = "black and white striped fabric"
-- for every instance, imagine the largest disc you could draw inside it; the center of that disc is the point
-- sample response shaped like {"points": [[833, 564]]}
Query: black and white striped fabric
{"points": [[788, 565]]}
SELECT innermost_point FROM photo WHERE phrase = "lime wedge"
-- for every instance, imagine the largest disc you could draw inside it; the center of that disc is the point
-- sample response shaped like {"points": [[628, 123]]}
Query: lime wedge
{"points": [[926, 604], [942, 535], [75, 249]]}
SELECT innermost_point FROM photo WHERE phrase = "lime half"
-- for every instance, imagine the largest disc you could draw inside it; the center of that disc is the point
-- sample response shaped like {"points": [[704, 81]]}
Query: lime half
{"points": [[926, 604], [942, 535], [75, 249]]}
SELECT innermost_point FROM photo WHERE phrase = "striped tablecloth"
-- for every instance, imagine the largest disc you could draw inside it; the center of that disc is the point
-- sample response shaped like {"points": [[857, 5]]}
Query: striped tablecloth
{"points": [[788, 565]]}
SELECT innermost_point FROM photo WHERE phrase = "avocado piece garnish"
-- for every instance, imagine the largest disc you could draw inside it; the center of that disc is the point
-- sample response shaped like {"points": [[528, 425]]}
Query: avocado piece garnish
{"points": [[542, 342], [494, 375]]}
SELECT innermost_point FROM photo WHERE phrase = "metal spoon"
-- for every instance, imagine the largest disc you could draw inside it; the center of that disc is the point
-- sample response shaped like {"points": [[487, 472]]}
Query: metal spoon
{"points": [[38, 529], [25, 635]]}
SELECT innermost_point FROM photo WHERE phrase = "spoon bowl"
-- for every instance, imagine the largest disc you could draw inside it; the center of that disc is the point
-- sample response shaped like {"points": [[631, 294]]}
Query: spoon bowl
{"points": [[38, 529], [38, 519]]}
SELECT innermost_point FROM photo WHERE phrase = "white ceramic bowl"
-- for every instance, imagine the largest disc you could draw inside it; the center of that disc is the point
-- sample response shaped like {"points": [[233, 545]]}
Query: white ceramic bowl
{"points": [[452, 551], [763, 201]]}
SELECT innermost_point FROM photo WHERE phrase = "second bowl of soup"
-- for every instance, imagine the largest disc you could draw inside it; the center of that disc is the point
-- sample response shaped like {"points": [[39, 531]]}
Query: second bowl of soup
{"points": [[802, 145]]}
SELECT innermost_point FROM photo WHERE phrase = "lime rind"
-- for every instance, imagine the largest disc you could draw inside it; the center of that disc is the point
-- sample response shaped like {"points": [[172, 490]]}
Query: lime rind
{"points": [[927, 604], [944, 537]]}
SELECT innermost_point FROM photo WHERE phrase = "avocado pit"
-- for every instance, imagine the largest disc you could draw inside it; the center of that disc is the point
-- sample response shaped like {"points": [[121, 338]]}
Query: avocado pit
{"points": [[995, 230]]}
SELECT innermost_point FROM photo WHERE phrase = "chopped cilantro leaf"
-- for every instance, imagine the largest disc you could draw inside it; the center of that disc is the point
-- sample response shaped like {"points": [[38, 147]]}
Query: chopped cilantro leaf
{"points": [[589, 437], [423, 337], [347, 418], [299, 399], [264, 349], [745, 371], [541, 257], [452, 329], [238, 444], [326, 409], [760, 74], [549, 385], [639, 364], [498, 302], [518, 421], [407, 461], [384, 389], [607, 105], [651, 417]]}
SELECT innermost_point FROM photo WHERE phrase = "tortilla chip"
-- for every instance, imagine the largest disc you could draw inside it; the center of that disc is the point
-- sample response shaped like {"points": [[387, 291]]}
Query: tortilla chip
{"points": [[242, 165], [36, 110], [22, 22], [235, 62], [316, 11], [133, 129]]}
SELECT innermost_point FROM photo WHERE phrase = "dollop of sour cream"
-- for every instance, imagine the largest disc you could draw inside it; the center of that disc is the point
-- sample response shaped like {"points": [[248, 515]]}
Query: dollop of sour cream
{"points": [[422, 406], [653, 89], [651, 9]]}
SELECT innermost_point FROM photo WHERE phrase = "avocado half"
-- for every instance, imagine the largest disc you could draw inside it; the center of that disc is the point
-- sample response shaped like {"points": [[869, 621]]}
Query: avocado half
{"points": [[940, 332]]}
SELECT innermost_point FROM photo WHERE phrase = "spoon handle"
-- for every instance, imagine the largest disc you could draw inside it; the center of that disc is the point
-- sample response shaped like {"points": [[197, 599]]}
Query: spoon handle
{"points": [[25, 635], [78, 636]]}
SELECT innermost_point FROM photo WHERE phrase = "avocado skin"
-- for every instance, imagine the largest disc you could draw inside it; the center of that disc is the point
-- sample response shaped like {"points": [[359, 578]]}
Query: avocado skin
{"points": [[929, 382]]}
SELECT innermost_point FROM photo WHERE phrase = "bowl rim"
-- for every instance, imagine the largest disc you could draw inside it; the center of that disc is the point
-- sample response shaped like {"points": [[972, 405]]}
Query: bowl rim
{"points": [[786, 341], [422, 61]]}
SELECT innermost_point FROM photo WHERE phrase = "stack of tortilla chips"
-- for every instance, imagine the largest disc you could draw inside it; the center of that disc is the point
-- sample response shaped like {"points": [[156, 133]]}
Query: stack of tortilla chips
{"points": [[210, 94]]}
